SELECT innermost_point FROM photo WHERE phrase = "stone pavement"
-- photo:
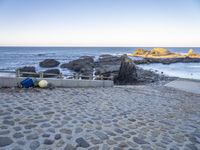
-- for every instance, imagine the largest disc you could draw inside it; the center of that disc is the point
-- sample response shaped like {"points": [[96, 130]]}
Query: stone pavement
{"points": [[119, 118], [192, 86]]}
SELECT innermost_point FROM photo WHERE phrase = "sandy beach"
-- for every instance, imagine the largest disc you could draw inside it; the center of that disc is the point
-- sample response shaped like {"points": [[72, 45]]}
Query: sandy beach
{"points": [[143, 117]]}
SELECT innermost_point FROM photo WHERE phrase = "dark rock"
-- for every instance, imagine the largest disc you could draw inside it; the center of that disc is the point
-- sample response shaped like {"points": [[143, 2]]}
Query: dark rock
{"points": [[66, 131], [30, 126], [18, 135], [5, 141], [82, 143], [32, 136], [101, 135], [83, 65], [48, 141], [49, 63], [9, 122], [139, 141], [51, 73], [4, 132], [127, 73], [57, 136], [107, 65], [46, 135]]}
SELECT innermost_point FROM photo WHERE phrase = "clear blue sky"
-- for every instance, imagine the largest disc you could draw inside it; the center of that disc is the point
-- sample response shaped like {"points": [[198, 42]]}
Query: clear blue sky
{"points": [[100, 22]]}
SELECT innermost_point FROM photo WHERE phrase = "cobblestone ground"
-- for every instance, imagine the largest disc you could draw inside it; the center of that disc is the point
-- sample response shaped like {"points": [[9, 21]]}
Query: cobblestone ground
{"points": [[131, 117]]}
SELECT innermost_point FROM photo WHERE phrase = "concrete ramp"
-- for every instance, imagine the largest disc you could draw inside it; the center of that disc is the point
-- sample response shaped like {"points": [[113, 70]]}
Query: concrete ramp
{"points": [[65, 83], [192, 86]]}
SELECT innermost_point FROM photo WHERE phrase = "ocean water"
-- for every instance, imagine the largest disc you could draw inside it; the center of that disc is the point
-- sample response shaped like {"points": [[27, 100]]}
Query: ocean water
{"points": [[14, 57]]}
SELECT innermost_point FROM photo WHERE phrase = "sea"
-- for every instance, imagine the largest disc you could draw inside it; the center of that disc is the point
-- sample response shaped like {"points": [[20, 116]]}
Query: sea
{"points": [[15, 57]]}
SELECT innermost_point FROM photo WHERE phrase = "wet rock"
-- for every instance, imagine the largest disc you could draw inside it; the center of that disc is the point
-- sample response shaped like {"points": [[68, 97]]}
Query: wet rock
{"points": [[49, 63], [5, 141], [82, 143]]}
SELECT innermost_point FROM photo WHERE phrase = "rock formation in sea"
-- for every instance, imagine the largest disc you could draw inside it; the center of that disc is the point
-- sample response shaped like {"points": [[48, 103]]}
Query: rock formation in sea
{"points": [[162, 55], [49, 63]]}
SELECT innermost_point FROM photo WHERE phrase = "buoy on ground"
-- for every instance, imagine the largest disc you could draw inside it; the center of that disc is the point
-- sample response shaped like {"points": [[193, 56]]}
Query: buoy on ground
{"points": [[43, 84]]}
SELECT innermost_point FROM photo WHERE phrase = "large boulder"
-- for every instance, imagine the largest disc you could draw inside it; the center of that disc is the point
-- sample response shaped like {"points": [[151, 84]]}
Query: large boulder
{"points": [[51, 73], [27, 70], [83, 65], [49, 63], [107, 65], [109, 60], [127, 73]]}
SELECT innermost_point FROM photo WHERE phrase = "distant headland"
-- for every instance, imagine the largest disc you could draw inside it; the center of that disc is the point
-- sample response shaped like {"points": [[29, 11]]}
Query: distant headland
{"points": [[163, 55]]}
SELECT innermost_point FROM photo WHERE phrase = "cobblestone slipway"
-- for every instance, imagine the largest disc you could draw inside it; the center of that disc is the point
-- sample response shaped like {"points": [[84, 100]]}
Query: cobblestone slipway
{"points": [[119, 118]]}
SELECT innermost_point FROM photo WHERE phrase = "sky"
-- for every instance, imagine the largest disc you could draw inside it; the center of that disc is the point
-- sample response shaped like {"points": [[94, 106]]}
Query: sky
{"points": [[100, 23]]}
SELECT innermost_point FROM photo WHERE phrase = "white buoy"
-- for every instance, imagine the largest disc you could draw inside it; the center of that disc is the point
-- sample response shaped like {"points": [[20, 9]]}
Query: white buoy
{"points": [[43, 84]]}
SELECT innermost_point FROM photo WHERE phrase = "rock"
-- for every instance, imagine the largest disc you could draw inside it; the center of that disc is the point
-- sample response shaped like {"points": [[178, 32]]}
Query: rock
{"points": [[69, 147], [109, 60], [107, 65], [127, 73], [54, 72], [101, 135], [139, 141], [140, 51], [5, 141], [32, 136], [82, 143], [66, 131], [34, 145], [49, 63], [160, 52], [57, 136], [83, 65], [9, 122], [48, 141], [18, 135]]}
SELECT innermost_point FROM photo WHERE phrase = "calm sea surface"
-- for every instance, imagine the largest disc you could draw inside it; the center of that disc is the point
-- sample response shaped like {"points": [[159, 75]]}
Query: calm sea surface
{"points": [[14, 57]]}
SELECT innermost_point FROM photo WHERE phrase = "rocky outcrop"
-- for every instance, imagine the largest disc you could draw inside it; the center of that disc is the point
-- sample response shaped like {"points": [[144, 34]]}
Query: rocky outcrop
{"points": [[107, 65], [167, 60], [51, 73], [141, 51], [83, 65], [160, 52], [127, 73], [49, 63]]}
